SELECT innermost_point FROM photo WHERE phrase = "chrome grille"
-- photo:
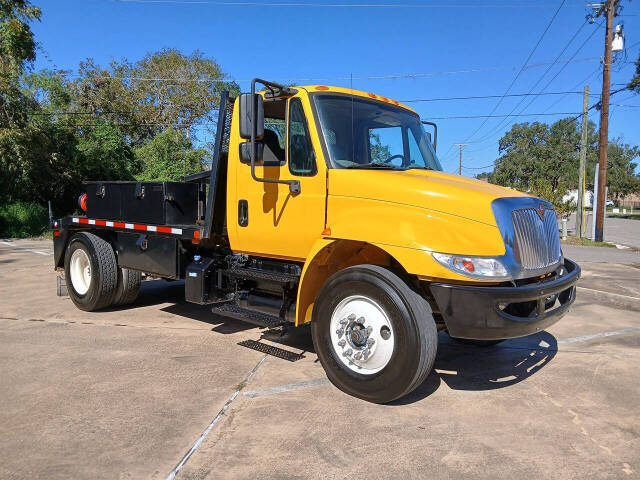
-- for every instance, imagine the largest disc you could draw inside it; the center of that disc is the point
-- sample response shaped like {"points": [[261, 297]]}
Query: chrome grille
{"points": [[537, 242]]}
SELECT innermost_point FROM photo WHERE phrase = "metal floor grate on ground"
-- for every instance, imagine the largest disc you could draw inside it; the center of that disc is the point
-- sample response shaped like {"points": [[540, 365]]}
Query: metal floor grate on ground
{"points": [[271, 350]]}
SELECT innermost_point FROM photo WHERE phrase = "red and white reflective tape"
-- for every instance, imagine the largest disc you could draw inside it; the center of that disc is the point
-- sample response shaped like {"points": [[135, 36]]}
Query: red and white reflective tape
{"points": [[128, 226]]}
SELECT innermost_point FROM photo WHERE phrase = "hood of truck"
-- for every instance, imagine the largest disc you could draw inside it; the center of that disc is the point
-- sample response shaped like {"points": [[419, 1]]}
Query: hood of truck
{"points": [[425, 189]]}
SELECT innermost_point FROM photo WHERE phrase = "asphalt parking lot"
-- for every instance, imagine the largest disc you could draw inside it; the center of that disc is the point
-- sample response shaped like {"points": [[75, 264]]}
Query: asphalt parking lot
{"points": [[162, 388]]}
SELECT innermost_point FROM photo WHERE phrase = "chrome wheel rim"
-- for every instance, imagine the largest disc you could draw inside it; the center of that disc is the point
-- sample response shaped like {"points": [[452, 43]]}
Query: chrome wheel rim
{"points": [[80, 271], [362, 335]]}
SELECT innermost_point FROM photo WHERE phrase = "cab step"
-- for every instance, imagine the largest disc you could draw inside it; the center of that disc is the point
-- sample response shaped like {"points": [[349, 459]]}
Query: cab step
{"points": [[232, 310], [256, 274]]}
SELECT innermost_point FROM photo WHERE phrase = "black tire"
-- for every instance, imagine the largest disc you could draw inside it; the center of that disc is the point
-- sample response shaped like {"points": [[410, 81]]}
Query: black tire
{"points": [[416, 335], [477, 343], [103, 267], [128, 286]]}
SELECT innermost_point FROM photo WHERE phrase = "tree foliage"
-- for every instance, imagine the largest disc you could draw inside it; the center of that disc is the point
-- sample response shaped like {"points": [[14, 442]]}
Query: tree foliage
{"points": [[17, 51], [169, 156], [544, 159], [621, 178], [533, 151], [380, 153], [634, 84], [124, 121], [165, 89]]}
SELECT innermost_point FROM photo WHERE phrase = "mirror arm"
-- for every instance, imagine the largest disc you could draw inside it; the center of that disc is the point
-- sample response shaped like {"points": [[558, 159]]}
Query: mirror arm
{"points": [[294, 185], [435, 133]]}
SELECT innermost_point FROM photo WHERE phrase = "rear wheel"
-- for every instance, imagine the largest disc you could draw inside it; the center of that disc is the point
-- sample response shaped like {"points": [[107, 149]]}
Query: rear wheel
{"points": [[128, 286], [374, 336], [90, 271]]}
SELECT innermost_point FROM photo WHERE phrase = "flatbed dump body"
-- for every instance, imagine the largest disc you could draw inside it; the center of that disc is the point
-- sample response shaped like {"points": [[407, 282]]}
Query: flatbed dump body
{"points": [[328, 205]]}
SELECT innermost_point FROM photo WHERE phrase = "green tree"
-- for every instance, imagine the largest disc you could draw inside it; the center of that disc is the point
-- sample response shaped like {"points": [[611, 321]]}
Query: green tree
{"points": [[169, 156], [621, 177], [17, 52], [379, 153], [105, 154], [634, 84], [543, 189], [38, 162], [530, 152], [165, 89]]}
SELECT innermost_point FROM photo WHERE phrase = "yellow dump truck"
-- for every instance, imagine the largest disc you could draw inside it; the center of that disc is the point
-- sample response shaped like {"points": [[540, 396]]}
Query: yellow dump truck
{"points": [[328, 206]]}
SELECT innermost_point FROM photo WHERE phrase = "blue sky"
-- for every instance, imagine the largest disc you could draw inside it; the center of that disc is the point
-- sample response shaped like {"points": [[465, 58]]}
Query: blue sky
{"points": [[455, 48]]}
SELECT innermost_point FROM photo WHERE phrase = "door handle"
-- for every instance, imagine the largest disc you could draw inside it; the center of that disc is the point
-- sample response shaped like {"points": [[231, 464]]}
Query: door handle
{"points": [[243, 213]]}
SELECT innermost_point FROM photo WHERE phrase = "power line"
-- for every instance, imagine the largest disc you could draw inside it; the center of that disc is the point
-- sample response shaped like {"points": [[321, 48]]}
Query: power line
{"points": [[580, 83], [477, 97], [323, 79], [479, 168], [520, 71], [503, 122], [560, 70], [341, 5], [501, 116]]}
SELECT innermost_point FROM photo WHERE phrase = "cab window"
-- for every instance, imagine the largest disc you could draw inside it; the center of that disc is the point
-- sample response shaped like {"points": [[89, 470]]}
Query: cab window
{"points": [[302, 160], [386, 145], [274, 139]]}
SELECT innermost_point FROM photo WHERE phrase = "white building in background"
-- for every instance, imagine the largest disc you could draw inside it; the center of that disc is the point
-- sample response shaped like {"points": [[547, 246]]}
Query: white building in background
{"points": [[572, 196]]}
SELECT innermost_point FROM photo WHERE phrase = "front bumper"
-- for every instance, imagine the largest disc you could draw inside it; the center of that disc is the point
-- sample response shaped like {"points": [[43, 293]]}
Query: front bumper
{"points": [[495, 313]]}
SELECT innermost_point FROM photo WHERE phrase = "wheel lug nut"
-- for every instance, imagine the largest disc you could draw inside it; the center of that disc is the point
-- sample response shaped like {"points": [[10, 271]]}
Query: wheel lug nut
{"points": [[347, 353], [361, 320], [351, 317], [344, 321], [340, 332], [342, 343], [358, 355], [370, 341], [369, 330]]}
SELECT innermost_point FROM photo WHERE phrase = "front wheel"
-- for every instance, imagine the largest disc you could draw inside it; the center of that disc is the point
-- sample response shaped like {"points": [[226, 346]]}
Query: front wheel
{"points": [[375, 337]]}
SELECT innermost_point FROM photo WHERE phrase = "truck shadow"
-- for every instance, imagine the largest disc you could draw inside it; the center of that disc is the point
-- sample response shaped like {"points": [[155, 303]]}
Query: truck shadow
{"points": [[468, 367], [459, 366], [156, 292]]}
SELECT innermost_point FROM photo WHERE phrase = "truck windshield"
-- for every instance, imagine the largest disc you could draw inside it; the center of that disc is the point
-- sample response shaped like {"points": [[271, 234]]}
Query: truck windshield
{"points": [[361, 133]]}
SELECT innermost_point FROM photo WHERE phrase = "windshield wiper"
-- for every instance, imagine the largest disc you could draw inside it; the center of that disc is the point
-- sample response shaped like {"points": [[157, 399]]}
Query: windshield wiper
{"points": [[381, 166]]}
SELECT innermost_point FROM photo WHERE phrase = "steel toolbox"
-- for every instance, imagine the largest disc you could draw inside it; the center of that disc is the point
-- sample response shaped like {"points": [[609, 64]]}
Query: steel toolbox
{"points": [[160, 203]]}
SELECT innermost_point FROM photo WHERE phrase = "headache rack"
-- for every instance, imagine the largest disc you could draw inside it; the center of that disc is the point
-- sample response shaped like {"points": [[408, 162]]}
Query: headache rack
{"points": [[217, 176]]}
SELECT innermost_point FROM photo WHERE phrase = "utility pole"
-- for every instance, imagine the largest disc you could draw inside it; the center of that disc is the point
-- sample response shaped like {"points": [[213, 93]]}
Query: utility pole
{"points": [[460, 145], [583, 162], [609, 8]]}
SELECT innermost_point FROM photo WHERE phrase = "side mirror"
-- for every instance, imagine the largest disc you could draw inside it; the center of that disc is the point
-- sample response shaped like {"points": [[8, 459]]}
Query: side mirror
{"points": [[435, 134], [245, 152], [251, 110]]}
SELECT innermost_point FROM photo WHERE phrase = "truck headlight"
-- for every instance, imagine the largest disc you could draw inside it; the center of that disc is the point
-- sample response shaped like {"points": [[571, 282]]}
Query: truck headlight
{"points": [[476, 267]]}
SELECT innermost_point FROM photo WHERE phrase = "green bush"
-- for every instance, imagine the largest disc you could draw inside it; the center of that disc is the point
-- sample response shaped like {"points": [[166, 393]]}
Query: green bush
{"points": [[21, 219]]}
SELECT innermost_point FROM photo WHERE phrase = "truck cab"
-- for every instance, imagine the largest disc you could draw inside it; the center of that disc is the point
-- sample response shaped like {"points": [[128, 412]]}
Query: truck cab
{"points": [[329, 206]]}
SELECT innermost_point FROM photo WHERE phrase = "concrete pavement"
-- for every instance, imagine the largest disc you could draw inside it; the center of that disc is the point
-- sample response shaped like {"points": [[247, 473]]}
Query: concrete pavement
{"points": [[601, 254], [617, 230], [130, 393]]}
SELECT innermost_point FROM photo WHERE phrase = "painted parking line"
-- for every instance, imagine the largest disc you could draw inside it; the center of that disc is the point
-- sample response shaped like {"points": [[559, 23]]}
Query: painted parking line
{"points": [[286, 388], [213, 423], [17, 247], [290, 387], [612, 333], [619, 295]]}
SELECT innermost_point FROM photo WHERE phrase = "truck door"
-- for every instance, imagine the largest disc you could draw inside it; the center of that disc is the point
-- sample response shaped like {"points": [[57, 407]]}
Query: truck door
{"points": [[269, 220]]}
